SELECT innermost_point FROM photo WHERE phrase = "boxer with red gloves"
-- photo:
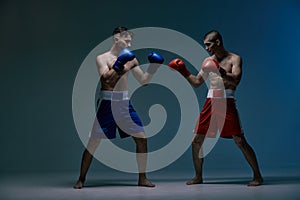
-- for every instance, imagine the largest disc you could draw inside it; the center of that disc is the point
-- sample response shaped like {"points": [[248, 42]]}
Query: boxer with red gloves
{"points": [[224, 69]]}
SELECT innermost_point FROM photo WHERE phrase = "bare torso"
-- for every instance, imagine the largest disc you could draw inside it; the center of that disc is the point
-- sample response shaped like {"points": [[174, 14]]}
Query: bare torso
{"points": [[232, 65], [113, 81]]}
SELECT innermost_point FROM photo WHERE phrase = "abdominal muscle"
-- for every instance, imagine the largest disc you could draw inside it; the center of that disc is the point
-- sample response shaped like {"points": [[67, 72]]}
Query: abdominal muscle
{"points": [[118, 84], [218, 83]]}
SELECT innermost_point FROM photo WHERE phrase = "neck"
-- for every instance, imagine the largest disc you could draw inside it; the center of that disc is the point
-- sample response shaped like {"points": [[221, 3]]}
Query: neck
{"points": [[115, 50], [221, 54]]}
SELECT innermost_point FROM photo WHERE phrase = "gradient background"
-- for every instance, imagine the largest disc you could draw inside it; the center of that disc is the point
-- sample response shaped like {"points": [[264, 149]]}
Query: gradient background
{"points": [[43, 43]]}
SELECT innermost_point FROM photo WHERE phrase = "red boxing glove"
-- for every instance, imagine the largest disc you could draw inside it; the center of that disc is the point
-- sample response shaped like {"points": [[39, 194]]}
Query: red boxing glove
{"points": [[179, 66], [210, 65]]}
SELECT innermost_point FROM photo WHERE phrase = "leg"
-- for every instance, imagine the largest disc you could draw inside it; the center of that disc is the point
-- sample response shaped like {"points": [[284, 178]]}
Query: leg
{"points": [[251, 158], [141, 156], [197, 159], [86, 161]]}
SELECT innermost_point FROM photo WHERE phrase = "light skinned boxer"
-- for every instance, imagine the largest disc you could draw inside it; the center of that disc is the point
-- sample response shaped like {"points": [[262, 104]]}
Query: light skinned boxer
{"points": [[115, 111], [224, 70]]}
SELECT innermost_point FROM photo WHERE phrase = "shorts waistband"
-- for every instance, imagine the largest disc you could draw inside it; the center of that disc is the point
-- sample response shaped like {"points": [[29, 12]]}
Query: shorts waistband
{"points": [[114, 95], [213, 93]]}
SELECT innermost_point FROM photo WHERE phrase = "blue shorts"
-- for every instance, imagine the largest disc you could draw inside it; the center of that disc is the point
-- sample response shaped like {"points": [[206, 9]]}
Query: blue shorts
{"points": [[113, 115]]}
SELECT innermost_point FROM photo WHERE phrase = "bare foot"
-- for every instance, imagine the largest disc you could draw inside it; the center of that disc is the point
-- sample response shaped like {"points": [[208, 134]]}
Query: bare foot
{"points": [[78, 184], [145, 183], [195, 180], [255, 182]]}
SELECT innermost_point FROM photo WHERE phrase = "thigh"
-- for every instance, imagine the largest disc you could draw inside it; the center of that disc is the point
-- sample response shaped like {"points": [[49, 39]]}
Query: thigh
{"points": [[232, 124], [105, 124], [130, 123], [92, 145], [139, 135]]}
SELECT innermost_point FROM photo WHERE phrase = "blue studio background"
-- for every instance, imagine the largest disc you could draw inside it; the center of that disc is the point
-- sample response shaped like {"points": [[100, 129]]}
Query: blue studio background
{"points": [[43, 44]]}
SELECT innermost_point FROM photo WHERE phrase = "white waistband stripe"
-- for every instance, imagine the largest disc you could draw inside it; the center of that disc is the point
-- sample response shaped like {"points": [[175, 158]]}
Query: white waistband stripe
{"points": [[228, 93], [114, 95]]}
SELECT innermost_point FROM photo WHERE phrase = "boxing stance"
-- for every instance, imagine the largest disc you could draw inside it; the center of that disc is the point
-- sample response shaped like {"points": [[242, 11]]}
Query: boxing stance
{"points": [[115, 111], [224, 69]]}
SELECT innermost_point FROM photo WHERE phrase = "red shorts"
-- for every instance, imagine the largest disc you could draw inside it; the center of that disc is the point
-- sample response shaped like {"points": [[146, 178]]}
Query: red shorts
{"points": [[219, 114]]}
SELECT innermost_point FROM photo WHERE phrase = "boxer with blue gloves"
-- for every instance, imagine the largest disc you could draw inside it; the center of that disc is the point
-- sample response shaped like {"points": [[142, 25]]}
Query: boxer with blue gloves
{"points": [[115, 111]]}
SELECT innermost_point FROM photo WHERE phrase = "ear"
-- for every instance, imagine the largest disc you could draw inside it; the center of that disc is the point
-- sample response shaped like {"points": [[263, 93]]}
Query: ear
{"points": [[116, 39], [218, 42]]}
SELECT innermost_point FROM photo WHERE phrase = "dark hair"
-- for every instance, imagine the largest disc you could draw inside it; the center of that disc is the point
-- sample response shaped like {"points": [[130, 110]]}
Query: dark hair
{"points": [[216, 35], [121, 29]]}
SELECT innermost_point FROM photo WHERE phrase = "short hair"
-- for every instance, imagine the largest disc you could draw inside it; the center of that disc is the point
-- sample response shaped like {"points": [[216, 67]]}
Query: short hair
{"points": [[122, 30], [216, 35]]}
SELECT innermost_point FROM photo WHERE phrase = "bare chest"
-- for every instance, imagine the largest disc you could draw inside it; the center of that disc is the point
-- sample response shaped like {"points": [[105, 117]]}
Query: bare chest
{"points": [[226, 64]]}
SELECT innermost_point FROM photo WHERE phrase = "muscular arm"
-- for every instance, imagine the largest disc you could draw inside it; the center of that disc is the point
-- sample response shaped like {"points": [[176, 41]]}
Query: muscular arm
{"points": [[198, 80], [108, 76], [103, 69], [178, 65], [142, 77], [233, 77]]}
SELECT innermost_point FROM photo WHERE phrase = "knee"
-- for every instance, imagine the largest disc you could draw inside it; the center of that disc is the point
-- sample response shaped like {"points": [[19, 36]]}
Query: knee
{"points": [[198, 140], [92, 145], [195, 143], [240, 142], [141, 141]]}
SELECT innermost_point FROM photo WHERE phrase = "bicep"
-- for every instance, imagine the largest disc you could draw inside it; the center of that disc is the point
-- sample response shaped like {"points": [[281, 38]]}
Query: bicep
{"points": [[202, 76], [237, 68], [102, 66]]}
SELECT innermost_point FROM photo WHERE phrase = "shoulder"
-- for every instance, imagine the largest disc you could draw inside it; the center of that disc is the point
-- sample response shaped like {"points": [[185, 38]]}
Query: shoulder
{"points": [[235, 57], [105, 59], [209, 58], [104, 56]]}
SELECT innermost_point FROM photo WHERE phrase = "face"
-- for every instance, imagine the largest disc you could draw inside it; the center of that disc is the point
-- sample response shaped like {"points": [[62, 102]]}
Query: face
{"points": [[123, 40], [210, 44]]}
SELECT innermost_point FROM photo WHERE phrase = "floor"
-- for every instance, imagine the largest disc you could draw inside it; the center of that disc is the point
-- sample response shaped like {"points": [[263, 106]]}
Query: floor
{"points": [[44, 186]]}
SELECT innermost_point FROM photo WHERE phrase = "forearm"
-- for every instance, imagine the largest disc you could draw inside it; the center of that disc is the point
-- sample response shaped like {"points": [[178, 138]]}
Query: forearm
{"points": [[111, 75], [145, 78], [141, 76], [195, 81]]}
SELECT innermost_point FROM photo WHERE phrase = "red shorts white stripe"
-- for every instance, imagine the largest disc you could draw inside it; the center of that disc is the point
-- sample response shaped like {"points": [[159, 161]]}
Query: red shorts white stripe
{"points": [[219, 114]]}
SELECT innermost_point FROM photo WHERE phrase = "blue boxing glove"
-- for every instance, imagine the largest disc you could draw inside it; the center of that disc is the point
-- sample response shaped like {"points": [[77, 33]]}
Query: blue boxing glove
{"points": [[124, 56], [155, 58]]}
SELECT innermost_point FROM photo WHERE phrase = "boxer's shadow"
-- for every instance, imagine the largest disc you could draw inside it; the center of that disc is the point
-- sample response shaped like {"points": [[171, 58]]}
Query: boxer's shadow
{"points": [[232, 181], [94, 183], [268, 180], [109, 183]]}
